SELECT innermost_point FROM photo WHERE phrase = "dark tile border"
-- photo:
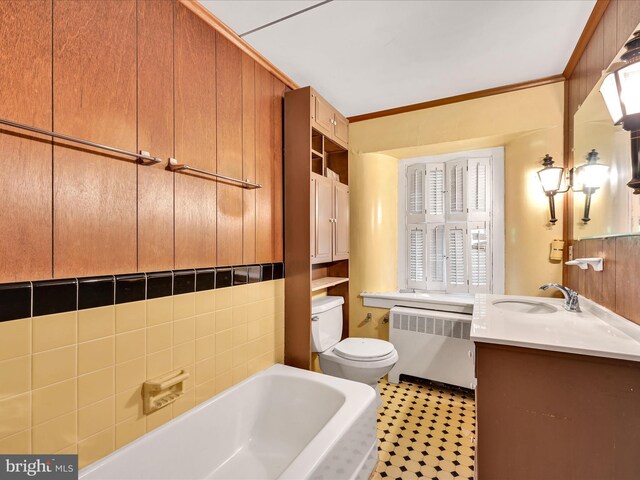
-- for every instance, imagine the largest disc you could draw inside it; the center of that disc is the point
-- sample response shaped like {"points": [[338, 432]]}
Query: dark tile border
{"points": [[159, 284], [15, 301], [131, 288], [96, 292], [55, 296], [184, 281], [45, 297]]}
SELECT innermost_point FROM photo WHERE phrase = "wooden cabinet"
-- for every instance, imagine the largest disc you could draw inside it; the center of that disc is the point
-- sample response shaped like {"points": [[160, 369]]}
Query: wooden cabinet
{"points": [[543, 414], [94, 85], [25, 97], [329, 220], [322, 214], [195, 137], [316, 220], [340, 221], [328, 121], [155, 134]]}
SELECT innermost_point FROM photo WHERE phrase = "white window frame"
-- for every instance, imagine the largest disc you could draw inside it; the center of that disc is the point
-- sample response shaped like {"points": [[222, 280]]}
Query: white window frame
{"points": [[497, 231]]}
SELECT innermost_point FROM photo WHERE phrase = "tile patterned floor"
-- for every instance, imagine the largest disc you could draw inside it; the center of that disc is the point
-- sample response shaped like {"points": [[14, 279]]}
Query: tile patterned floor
{"points": [[425, 431]]}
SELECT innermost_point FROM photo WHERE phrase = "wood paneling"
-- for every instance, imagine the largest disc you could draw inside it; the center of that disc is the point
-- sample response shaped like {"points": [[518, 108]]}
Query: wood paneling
{"points": [[230, 144], [155, 134], [609, 273], [94, 85], [628, 19], [138, 75], [585, 37], [195, 140], [595, 57], [609, 41], [264, 164], [231, 36], [25, 183], [616, 287], [592, 279], [627, 266], [248, 159], [277, 205], [551, 415]]}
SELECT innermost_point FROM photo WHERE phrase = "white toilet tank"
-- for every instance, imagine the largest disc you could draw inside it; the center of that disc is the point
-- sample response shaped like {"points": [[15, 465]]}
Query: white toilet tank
{"points": [[326, 322]]}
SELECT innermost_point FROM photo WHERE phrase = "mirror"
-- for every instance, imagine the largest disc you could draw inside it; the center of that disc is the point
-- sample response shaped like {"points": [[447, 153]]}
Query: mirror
{"points": [[614, 209]]}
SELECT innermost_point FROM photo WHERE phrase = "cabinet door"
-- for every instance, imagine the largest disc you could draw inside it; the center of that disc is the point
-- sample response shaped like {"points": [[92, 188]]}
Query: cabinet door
{"points": [[195, 139], [155, 134], [341, 129], [312, 218], [324, 219], [25, 97], [94, 85], [341, 221], [322, 115]]}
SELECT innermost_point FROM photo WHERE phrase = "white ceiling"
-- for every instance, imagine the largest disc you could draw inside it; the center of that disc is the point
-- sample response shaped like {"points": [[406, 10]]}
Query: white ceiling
{"points": [[365, 55]]}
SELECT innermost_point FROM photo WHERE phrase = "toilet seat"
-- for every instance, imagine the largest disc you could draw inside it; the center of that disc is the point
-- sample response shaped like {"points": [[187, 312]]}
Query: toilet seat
{"points": [[364, 349]]}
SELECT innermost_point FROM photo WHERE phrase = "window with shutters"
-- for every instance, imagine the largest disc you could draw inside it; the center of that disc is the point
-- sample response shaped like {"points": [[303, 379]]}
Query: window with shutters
{"points": [[448, 224], [417, 262]]}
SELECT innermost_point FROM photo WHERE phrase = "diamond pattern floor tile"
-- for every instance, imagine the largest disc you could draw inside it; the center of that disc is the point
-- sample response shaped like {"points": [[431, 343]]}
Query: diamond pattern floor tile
{"points": [[425, 431]]}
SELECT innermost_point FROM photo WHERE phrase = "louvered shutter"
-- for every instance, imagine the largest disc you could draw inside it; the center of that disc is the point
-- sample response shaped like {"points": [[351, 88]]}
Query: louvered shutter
{"points": [[416, 256], [479, 188], [435, 191], [456, 204], [435, 257], [416, 207], [456, 243], [479, 257]]}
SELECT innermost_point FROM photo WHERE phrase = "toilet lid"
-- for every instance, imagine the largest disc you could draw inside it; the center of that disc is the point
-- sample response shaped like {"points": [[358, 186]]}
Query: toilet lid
{"points": [[363, 349]]}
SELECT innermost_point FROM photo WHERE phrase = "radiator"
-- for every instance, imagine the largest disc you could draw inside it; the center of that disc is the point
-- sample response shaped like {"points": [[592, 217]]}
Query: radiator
{"points": [[432, 345]]}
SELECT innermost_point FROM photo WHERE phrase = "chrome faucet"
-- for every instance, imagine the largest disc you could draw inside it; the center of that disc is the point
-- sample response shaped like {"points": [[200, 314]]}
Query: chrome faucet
{"points": [[570, 296]]}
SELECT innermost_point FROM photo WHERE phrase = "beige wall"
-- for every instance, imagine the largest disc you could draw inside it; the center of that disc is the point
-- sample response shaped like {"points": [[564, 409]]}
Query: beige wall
{"points": [[71, 382], [528, 123]]}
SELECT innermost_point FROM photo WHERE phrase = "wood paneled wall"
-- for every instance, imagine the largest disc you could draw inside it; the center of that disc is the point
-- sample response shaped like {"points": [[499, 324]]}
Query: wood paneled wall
{"points": [[618, 285], [139, 75]]}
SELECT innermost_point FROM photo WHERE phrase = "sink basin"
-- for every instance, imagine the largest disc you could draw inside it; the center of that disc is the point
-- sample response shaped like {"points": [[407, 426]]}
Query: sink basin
{"points": [[525, 306]]}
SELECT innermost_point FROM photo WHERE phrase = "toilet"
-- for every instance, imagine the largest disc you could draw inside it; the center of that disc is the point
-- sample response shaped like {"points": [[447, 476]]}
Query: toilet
{"points": [[364, 360]]}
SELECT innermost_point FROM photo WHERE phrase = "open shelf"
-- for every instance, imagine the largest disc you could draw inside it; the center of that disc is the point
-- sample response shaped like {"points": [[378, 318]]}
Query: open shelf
{"points": [[326, 282], [315, 153]]}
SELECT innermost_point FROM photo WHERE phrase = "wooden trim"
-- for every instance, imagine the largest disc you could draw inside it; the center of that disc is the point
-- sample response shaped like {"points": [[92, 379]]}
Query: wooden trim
{"points": [[589, 28], [514, 87], [197, 8]]}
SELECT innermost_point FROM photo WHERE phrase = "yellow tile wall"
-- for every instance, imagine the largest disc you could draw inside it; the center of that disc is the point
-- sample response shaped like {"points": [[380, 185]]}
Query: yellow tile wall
{"points": [[72, 382]]}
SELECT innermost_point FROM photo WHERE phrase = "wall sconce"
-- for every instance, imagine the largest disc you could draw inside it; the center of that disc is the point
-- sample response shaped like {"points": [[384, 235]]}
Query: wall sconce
{"points": [[550, 179], [621, 93], [589, 176]]}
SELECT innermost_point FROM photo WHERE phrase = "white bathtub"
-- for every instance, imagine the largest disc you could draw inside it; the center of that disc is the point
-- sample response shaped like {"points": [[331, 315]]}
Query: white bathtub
{"points": [[282, 423]]}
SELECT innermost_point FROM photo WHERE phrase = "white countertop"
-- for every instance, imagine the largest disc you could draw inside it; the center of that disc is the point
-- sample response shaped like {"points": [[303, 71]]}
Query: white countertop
{"points": [[448, 302], [595, 331]]}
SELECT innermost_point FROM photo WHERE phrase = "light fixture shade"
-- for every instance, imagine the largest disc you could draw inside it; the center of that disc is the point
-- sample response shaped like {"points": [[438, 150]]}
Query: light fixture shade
{"points": [[609, 91], [629, 78], [592, 174], [551, 178]]}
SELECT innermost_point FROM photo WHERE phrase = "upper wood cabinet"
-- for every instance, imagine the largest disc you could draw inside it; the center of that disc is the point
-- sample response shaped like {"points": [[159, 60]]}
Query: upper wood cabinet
{"points": [[328, 120]]}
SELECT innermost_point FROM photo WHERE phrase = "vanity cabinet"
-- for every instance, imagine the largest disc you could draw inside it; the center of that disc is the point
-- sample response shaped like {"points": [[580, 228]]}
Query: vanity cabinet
{"points": [[555, 415], [329, 220], [316, 220]]}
